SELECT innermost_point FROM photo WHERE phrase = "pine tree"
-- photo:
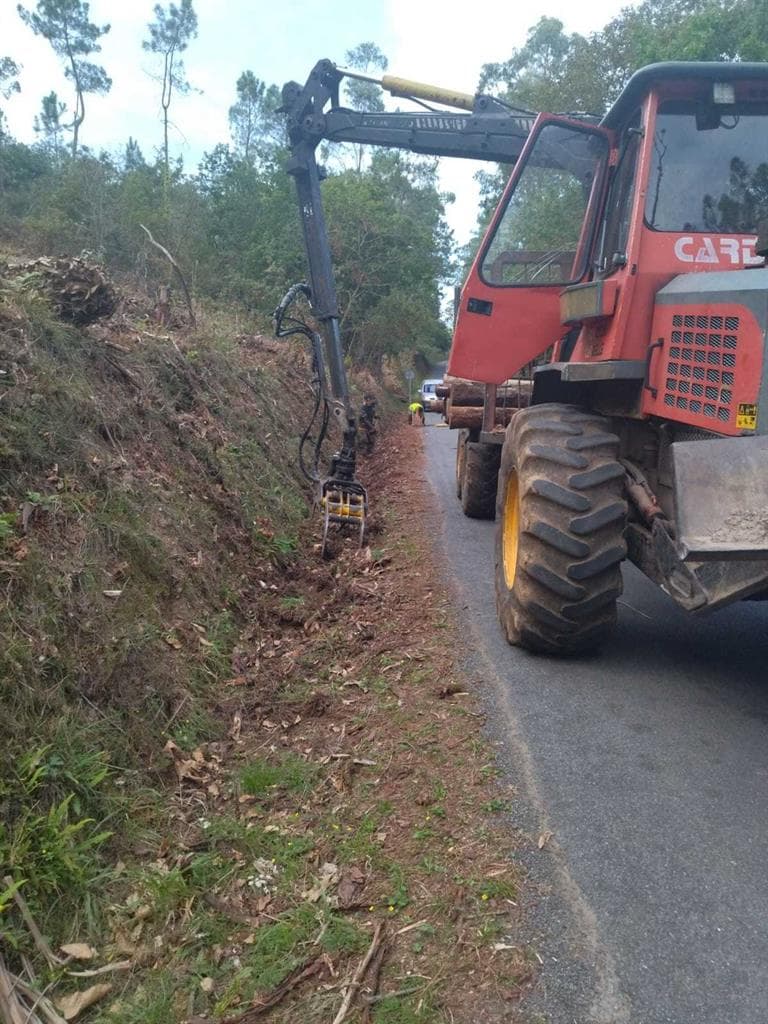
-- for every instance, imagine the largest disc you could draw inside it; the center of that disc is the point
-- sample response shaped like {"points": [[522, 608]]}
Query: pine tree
{"points": [[9, 84], [134, 158], [48, 124], [367, 58], [253, 121], [73, 38], [169, 35]]}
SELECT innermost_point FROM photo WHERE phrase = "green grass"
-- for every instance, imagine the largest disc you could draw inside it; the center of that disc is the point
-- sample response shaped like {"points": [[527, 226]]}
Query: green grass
{"points": [[281, 946], [399, 896], [8, 521], [290, 774], [407, 1009], [143, 474], [357, 843], [497, 806], [158, 999], [57, 804], [496, 889]]}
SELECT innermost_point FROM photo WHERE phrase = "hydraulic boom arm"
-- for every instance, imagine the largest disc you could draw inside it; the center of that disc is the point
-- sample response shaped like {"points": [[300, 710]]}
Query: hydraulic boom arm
{"points": [[486, 130], [489, 131]]}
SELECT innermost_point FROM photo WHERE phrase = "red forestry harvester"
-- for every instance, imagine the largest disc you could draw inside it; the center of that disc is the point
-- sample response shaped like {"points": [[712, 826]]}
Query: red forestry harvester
{"points": [[625, 264]]}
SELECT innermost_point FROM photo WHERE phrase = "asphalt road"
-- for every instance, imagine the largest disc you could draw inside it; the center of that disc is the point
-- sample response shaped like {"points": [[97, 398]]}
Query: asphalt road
{"points": [[649, 764]]}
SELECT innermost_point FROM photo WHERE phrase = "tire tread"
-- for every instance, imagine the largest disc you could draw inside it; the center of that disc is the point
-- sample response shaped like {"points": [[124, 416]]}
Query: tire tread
{"points": [[571, 545]]}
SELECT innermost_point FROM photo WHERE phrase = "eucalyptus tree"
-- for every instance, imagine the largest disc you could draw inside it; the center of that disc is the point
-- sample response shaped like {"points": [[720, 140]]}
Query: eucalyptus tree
{"points": [[73, 37]]}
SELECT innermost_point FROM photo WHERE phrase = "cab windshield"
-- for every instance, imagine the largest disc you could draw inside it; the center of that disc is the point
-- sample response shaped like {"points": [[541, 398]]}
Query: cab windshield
{"points": [[709, 170]]}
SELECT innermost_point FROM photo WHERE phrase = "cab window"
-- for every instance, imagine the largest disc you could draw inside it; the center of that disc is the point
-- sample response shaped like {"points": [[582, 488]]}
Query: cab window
{"points": [[618, 208], [536, 239]]}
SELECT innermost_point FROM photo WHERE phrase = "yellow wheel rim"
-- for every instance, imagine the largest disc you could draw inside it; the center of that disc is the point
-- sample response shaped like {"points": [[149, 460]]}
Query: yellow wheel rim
{"points": [[511, 529]]}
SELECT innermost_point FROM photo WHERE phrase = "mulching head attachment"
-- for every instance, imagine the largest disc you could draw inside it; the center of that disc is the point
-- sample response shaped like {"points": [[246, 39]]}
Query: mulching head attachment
{"points": [[345, 503]]}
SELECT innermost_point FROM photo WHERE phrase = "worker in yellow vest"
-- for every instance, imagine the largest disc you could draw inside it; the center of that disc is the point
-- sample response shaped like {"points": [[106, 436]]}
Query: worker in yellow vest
{"points": [[416, 413]]}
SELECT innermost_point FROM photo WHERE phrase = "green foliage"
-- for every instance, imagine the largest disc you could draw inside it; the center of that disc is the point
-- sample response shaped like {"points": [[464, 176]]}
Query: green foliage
{"points": [[48, 125], [8, 522], [559, 71], [9, 71], [257, 129], [391, 246], [368, 59], [234, 224], [9, 84], [47, 839], [171, 33]]}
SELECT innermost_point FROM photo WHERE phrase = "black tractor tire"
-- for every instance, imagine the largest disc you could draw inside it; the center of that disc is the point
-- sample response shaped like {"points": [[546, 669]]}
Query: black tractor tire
{"points": [[561, 516], [478, 483], [461, 452]]}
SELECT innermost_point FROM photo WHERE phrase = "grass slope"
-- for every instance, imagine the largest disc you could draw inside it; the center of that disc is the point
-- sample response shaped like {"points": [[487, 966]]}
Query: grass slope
{"points": [[226, 761]]}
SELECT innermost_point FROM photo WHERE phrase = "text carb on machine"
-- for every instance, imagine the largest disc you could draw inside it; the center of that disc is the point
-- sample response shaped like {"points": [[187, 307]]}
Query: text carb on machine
{"points": [[720, 249]]}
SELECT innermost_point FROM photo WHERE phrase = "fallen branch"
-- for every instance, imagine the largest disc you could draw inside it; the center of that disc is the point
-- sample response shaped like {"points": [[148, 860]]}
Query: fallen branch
{"points": [[11, 1010], [373, 984], [177, 268], [304, 971], [123, 371], [401, 993], [410, 927], [14, 1011], [118, 965], [354, 984]]}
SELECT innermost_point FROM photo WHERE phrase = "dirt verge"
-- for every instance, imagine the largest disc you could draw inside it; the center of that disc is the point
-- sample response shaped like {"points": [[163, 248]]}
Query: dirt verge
{"points": [[347, 837]]}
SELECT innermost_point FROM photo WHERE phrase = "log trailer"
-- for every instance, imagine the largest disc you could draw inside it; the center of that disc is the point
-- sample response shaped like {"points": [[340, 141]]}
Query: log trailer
{"points": [[625, 264]]}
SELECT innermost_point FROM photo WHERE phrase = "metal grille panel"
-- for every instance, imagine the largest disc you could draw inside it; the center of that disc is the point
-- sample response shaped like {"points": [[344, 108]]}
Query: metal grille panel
{"points": [[700, 351]]}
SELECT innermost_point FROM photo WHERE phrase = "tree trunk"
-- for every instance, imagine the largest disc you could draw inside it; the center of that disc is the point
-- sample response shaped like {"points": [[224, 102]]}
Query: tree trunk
{"points": [[470, 417], [463, 392]]}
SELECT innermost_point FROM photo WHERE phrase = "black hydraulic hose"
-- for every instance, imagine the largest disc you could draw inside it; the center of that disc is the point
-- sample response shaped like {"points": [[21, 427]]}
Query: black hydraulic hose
{"points": [[285, 326]]}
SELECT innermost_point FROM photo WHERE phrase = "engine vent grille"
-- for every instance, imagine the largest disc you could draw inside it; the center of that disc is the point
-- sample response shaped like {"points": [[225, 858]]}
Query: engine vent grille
{"points": [[700, 366]]}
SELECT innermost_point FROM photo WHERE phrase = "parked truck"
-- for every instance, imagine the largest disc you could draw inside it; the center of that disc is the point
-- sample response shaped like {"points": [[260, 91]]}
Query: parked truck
{"points": [[607, 373]]}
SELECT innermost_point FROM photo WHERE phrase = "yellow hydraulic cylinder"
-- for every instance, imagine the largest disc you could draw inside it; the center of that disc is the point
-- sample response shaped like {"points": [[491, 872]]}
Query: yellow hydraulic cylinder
{"points": [[420, 90]]}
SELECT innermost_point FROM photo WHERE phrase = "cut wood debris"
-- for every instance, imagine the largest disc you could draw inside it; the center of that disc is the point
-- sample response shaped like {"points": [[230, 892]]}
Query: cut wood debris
{"points": [[79, 290]]}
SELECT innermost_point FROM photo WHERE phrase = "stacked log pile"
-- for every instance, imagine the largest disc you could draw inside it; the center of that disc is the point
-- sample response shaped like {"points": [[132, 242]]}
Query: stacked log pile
{"points": [[464, 402]]}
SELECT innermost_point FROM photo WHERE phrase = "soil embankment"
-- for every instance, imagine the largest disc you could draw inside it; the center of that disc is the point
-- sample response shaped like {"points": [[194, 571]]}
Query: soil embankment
{"points": [[231, 769]]}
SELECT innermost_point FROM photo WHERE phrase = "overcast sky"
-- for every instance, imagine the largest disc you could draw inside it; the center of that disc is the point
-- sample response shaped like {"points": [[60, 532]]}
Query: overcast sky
{"points": [[278, 40]]}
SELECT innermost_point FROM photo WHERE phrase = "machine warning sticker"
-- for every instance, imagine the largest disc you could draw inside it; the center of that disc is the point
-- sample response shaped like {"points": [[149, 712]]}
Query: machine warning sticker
{"points": [[746, 416]]}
